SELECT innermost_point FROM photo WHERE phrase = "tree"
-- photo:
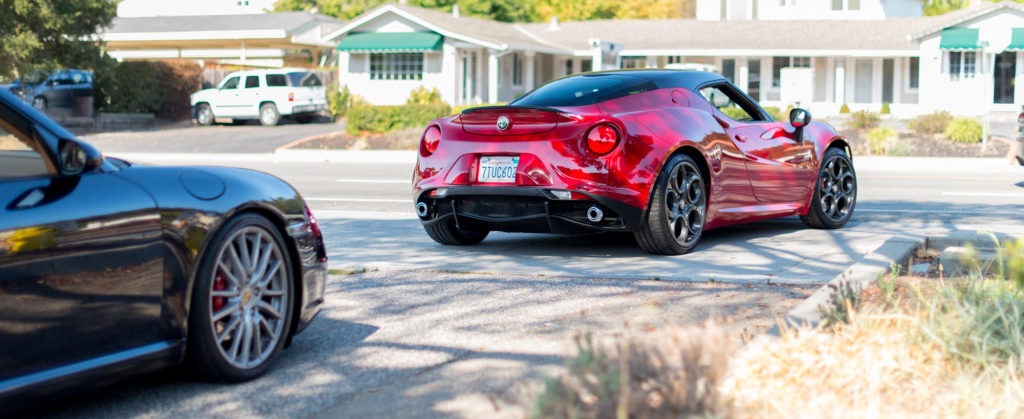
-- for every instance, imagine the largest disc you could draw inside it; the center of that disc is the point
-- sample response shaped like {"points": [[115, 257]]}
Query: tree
{"points": [[615, 9], [938, 7], [47, 34]]}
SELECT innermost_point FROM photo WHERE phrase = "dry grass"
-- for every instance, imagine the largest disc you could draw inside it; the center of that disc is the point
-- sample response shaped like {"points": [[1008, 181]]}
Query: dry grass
{"points": [[913, 347], [675, 372]]}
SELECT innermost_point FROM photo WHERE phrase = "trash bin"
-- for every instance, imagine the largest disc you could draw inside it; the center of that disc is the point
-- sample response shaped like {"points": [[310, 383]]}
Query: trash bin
{"points": [[83, 106]]}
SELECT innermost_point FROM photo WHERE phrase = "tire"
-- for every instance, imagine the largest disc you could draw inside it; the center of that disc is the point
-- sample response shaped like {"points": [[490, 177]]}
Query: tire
{"points": [[835, 192], [204, 114], [448, 234], [677, 210], [238, 327], [269, 116], [39, 103]]}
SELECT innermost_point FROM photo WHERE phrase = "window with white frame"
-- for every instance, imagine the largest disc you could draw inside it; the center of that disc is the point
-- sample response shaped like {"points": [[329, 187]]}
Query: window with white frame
{"points": [[517, 69], [962, 64], [778, 63], [840, 5], [913, 72], [634, 62], [396, 66], [675, 59]]}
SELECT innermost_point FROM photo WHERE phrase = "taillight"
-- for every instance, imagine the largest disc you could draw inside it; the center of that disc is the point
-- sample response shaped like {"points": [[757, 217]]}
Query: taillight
{"points": [[431, 139], [602, 139], [291, 96], [1020, 118], [318, 236]]}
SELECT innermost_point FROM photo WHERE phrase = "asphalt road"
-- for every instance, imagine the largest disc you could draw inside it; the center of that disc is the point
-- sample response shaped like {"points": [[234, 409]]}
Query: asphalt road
{"points": [[186, 138], [435, 331]]}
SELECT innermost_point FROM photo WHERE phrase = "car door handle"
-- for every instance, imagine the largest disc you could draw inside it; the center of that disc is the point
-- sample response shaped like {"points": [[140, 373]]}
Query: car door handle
{"points": [[741, 138]]}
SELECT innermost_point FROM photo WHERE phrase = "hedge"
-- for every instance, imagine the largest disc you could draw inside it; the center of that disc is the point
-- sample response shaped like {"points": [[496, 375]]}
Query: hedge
{"points": [[363, 118]]}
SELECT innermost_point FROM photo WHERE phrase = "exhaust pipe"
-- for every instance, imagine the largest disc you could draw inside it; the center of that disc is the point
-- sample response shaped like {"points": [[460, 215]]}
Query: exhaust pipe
{"points": [[594, 214], [422, 209]]}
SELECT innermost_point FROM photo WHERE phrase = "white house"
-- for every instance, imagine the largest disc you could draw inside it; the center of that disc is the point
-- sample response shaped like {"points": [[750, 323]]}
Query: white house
{"points": [[818, 54]]}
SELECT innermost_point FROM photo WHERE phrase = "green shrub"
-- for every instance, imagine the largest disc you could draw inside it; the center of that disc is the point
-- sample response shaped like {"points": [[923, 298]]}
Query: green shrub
{"points": [[735, 113], [885, 109], [133, 87], [339, 101], [364, 117], [932, 123], [776, 113], [964, 130], [422, 96], [879, 140], [863, 120], [844, 109], [160, 88]]}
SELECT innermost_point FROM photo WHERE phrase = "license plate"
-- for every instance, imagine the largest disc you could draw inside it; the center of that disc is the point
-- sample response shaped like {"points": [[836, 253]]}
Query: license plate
{"points": [[500, 169]]}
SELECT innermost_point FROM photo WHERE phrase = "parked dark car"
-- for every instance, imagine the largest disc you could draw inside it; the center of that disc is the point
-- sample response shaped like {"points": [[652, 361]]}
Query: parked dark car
{"points": [[109, 268], [60, 89]]}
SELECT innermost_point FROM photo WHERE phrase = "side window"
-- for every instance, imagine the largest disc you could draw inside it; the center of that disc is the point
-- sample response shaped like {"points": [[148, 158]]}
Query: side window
{"points": [[276, 80], [732, 103], [19, 156], [231, 83], [252, 82]]}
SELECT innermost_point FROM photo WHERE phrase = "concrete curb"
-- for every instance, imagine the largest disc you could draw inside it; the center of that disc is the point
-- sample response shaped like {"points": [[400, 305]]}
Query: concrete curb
{"points": [[896, 250]]}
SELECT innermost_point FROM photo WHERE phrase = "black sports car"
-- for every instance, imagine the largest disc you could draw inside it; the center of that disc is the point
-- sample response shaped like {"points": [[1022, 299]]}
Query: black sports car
{"points": [[109, 268]]}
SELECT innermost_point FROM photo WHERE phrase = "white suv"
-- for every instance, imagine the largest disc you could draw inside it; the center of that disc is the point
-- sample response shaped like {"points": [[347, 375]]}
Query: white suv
{"points": [[262, 94]]}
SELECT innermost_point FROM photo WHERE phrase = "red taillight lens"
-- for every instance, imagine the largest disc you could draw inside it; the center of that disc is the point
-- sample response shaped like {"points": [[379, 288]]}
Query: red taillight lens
{"points": [[291, 96], [602, 139], [431, 139], [318, 236]]}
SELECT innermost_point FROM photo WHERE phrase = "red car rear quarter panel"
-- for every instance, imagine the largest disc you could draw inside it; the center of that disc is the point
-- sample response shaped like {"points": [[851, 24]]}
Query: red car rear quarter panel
{"points": [[663, 121]]}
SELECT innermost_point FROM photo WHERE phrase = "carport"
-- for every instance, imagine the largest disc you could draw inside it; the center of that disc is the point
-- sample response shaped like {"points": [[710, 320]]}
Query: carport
{"points": [[292, 39]]}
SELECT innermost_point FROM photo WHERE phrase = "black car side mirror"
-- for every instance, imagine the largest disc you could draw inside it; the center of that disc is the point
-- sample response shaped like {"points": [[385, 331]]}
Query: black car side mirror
{"points": [[799, 118], [75, 158]]}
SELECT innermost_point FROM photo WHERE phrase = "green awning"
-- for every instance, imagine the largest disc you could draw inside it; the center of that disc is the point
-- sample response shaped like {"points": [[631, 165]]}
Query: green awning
{"points": [[960, 39], [391, 42], [1017, 40]]}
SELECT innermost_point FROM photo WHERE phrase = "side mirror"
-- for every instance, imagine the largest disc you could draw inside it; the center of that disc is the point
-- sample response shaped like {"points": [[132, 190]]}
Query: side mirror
{"points": [[799, 118], [74, 158]]}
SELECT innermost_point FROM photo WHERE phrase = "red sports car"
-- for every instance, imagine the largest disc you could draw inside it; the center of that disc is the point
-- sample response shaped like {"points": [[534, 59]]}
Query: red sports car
{"points": [[664, 154]]}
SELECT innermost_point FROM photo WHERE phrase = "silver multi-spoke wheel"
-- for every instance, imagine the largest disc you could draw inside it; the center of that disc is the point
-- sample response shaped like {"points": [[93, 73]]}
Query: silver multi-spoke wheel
{"points": [[243, 300], [685, 204], [676, 215], [248, 298], [835, 192]]}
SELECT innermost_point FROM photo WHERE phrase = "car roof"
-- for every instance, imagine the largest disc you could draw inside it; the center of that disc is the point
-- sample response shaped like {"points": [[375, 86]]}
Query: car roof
{"points": [[688, 79]]}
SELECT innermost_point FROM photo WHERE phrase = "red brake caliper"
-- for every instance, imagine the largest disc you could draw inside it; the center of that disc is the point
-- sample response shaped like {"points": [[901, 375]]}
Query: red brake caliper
{"points": [[219, 284]]}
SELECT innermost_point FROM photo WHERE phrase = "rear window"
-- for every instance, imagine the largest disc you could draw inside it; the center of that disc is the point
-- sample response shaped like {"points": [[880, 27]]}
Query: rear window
{"points": [[276, 80], [304, 79], [585, 90]]}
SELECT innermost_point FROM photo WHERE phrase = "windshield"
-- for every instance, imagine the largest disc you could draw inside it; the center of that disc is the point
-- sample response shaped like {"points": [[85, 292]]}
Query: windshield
{"points": [[304, 79], [585, 90]]}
